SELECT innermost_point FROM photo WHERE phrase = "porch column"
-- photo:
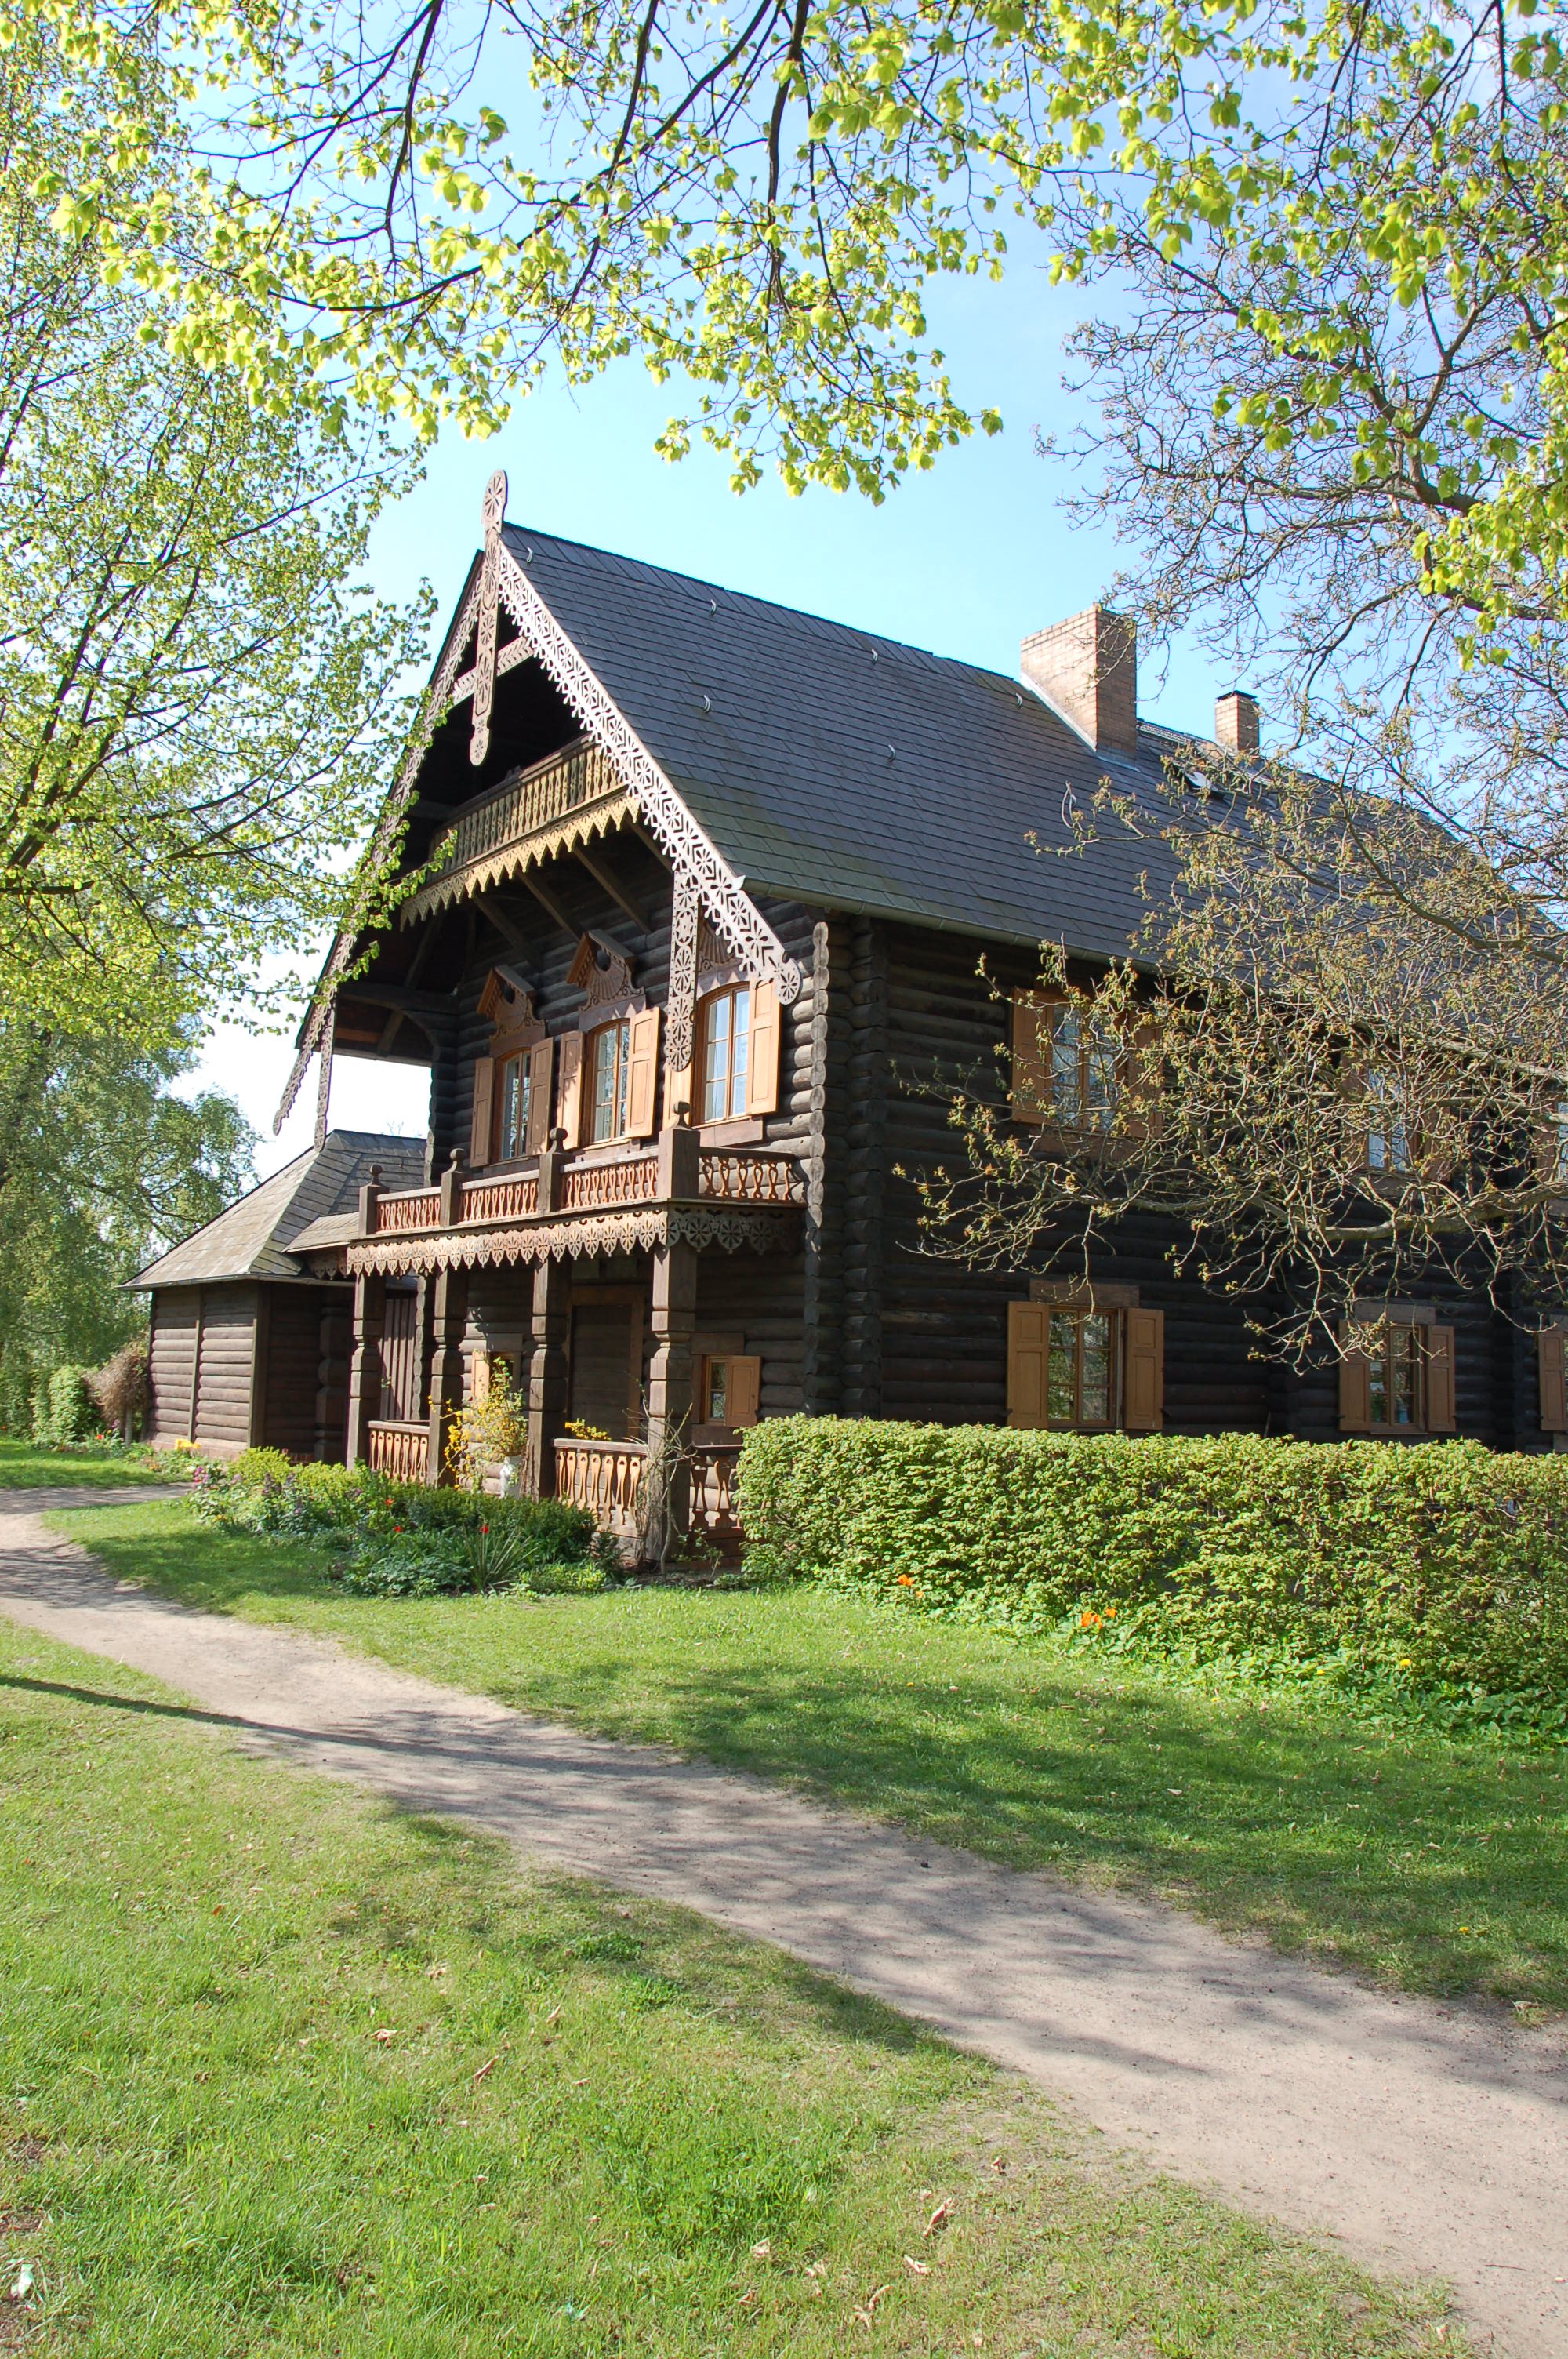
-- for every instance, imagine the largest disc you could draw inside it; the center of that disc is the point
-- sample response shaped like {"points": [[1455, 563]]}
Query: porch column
{"points": [[674, 1325], [548, 1371], [450, 1318], [364, 1363]]}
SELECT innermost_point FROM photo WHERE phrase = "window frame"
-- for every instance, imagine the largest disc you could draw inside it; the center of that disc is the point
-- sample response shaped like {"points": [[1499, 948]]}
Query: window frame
{"points": [[619, 1028], [1388, 1152], [514, 1149], [1089, 1048], [1406, 1339], [1114, 1321], [727, 994]]}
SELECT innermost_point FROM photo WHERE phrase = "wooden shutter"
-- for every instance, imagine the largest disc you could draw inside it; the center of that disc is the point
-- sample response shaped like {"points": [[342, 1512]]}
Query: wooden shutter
{"points": [[642, 1086], [1031, 1057], [1440, 1379], [745, 1388], [1553, 1393], [1143, 1387], [483, 1110], [572, 1087], [1355, 1387], [541, 1075], [762, 1053], [1141, 1082], [1028, 1341]]}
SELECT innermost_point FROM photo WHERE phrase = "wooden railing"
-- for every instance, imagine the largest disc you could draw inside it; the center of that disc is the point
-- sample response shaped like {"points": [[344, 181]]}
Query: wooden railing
{"points": [[399, 1449], [533, 799], [512, 1198], [602, 1186], [605, 1477], [744, 1178], [715, 1508], [607, 1184]]}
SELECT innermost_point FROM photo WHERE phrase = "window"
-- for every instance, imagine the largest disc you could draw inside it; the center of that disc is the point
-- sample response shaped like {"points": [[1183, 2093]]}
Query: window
{"points": [[608, 1081], [515, 1095], [1083, 1071], [1560, 1141], [1087, 1367], [1081, 1379], [1387, 1133], [730, 1389], [1395, 1372], [726, 1045]]}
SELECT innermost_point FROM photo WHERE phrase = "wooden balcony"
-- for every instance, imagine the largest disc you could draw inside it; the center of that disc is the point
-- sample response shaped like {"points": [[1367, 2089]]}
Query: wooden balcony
{"points": [[566, 798], [566, 1204]]}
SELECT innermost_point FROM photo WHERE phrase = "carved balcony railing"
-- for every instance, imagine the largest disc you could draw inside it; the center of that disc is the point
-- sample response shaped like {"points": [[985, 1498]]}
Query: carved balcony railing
{"points": [[604, 1477], [400, 1450], [521, 804], [602, 1185]]}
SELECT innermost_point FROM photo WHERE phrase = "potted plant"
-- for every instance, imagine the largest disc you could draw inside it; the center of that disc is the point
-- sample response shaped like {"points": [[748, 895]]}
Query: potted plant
{"points": [[491, 1436]]}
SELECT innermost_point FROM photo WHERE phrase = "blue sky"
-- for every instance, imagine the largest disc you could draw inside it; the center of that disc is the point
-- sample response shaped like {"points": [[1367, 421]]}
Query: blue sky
{"points": [[967, 560]]}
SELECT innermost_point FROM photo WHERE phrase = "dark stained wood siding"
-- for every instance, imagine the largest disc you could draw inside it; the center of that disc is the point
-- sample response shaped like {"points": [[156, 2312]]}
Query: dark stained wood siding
{"points": [[171, 1361], [307, 1333], [223, 1382]]}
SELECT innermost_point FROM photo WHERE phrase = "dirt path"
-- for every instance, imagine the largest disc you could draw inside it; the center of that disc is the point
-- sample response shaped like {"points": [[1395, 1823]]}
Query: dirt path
{"points": [[1424, 2138]]}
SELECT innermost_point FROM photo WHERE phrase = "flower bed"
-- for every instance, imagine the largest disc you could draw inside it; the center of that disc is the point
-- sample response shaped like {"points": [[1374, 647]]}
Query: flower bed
{"points": [[400, 1540]]}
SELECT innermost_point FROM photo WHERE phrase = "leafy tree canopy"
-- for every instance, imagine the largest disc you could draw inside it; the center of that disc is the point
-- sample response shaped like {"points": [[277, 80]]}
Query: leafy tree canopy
{"points": [[100, 1166], [197, 704]]}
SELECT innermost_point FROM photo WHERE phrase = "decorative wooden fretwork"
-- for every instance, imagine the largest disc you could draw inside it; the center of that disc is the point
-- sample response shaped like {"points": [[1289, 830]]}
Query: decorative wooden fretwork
{"points": [[735, 917], [710, 950], [600, 970], [506, 1005], [635, 1229], [686, 930]]}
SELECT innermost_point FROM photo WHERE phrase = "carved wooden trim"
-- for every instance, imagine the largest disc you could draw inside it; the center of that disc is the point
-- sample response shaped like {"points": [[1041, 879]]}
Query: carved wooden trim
{"points": [[600, 970], [732, 1229], [686, 935]]}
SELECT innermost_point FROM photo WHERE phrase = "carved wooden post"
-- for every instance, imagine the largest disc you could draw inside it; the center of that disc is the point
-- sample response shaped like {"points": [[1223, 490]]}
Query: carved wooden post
{"points": [[364, 1366], [674, 1325], [550, 1315], [448, 1318], [680, 1009]]}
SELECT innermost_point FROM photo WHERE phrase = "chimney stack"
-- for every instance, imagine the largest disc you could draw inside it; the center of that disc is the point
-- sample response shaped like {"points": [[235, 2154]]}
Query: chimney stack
{"points": [[1235, 722], [1088, 668]]}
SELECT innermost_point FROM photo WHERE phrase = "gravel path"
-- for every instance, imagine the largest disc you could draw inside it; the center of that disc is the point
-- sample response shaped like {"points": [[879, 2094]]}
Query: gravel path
{"points": [[1423, 2138]]}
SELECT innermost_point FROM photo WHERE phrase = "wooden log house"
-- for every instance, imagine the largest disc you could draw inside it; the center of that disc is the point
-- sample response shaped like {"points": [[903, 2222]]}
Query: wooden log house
{"points": [[703, 888], [248, 1344]]}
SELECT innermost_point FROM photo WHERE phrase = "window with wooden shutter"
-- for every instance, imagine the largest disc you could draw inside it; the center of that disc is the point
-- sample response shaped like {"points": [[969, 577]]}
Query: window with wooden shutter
{"points": [[643, 1059], [572, 1087], [1553, 1393], [1028, 1341], [484, 1119], [762, 1062], [1440, 1417], [1144, 1381], [731, 1390], [1031, 1057], [1355, 1387], [541, 1076]]}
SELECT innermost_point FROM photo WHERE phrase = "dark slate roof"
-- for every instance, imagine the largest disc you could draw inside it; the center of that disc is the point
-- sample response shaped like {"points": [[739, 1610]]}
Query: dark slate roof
{"points": [[851, 771], [252, 1237]]}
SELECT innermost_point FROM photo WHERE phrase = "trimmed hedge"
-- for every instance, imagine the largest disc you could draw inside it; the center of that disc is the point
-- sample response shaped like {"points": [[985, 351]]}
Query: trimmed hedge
{"points": [[67, 1410], [1445, 1566]]}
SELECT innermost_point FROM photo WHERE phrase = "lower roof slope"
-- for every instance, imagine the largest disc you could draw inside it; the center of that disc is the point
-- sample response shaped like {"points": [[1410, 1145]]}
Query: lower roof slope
{"points": [[251, 1238]]}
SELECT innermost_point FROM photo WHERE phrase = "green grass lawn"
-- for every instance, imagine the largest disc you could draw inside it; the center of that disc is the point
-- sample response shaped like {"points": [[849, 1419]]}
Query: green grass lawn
{"points": [[34, 1465], [286, 2072], [1422, 1861]]}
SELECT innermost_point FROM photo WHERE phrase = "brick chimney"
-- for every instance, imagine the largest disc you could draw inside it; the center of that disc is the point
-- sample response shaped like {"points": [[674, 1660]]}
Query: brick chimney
{"points": [[1088, 668], [1235, 722]]}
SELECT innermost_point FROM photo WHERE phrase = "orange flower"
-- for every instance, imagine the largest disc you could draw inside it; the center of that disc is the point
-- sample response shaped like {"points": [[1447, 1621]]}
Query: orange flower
{"points": [[904, 1581]]}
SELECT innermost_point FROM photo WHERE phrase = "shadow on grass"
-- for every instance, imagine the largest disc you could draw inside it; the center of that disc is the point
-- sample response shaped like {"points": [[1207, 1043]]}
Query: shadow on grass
{"points": [[1426, 1864]]}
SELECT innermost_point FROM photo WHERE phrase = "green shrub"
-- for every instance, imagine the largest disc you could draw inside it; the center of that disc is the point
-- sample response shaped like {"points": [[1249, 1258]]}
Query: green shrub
{"points": [[1443, 1567], [403, 1539], [66, 1410]]}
